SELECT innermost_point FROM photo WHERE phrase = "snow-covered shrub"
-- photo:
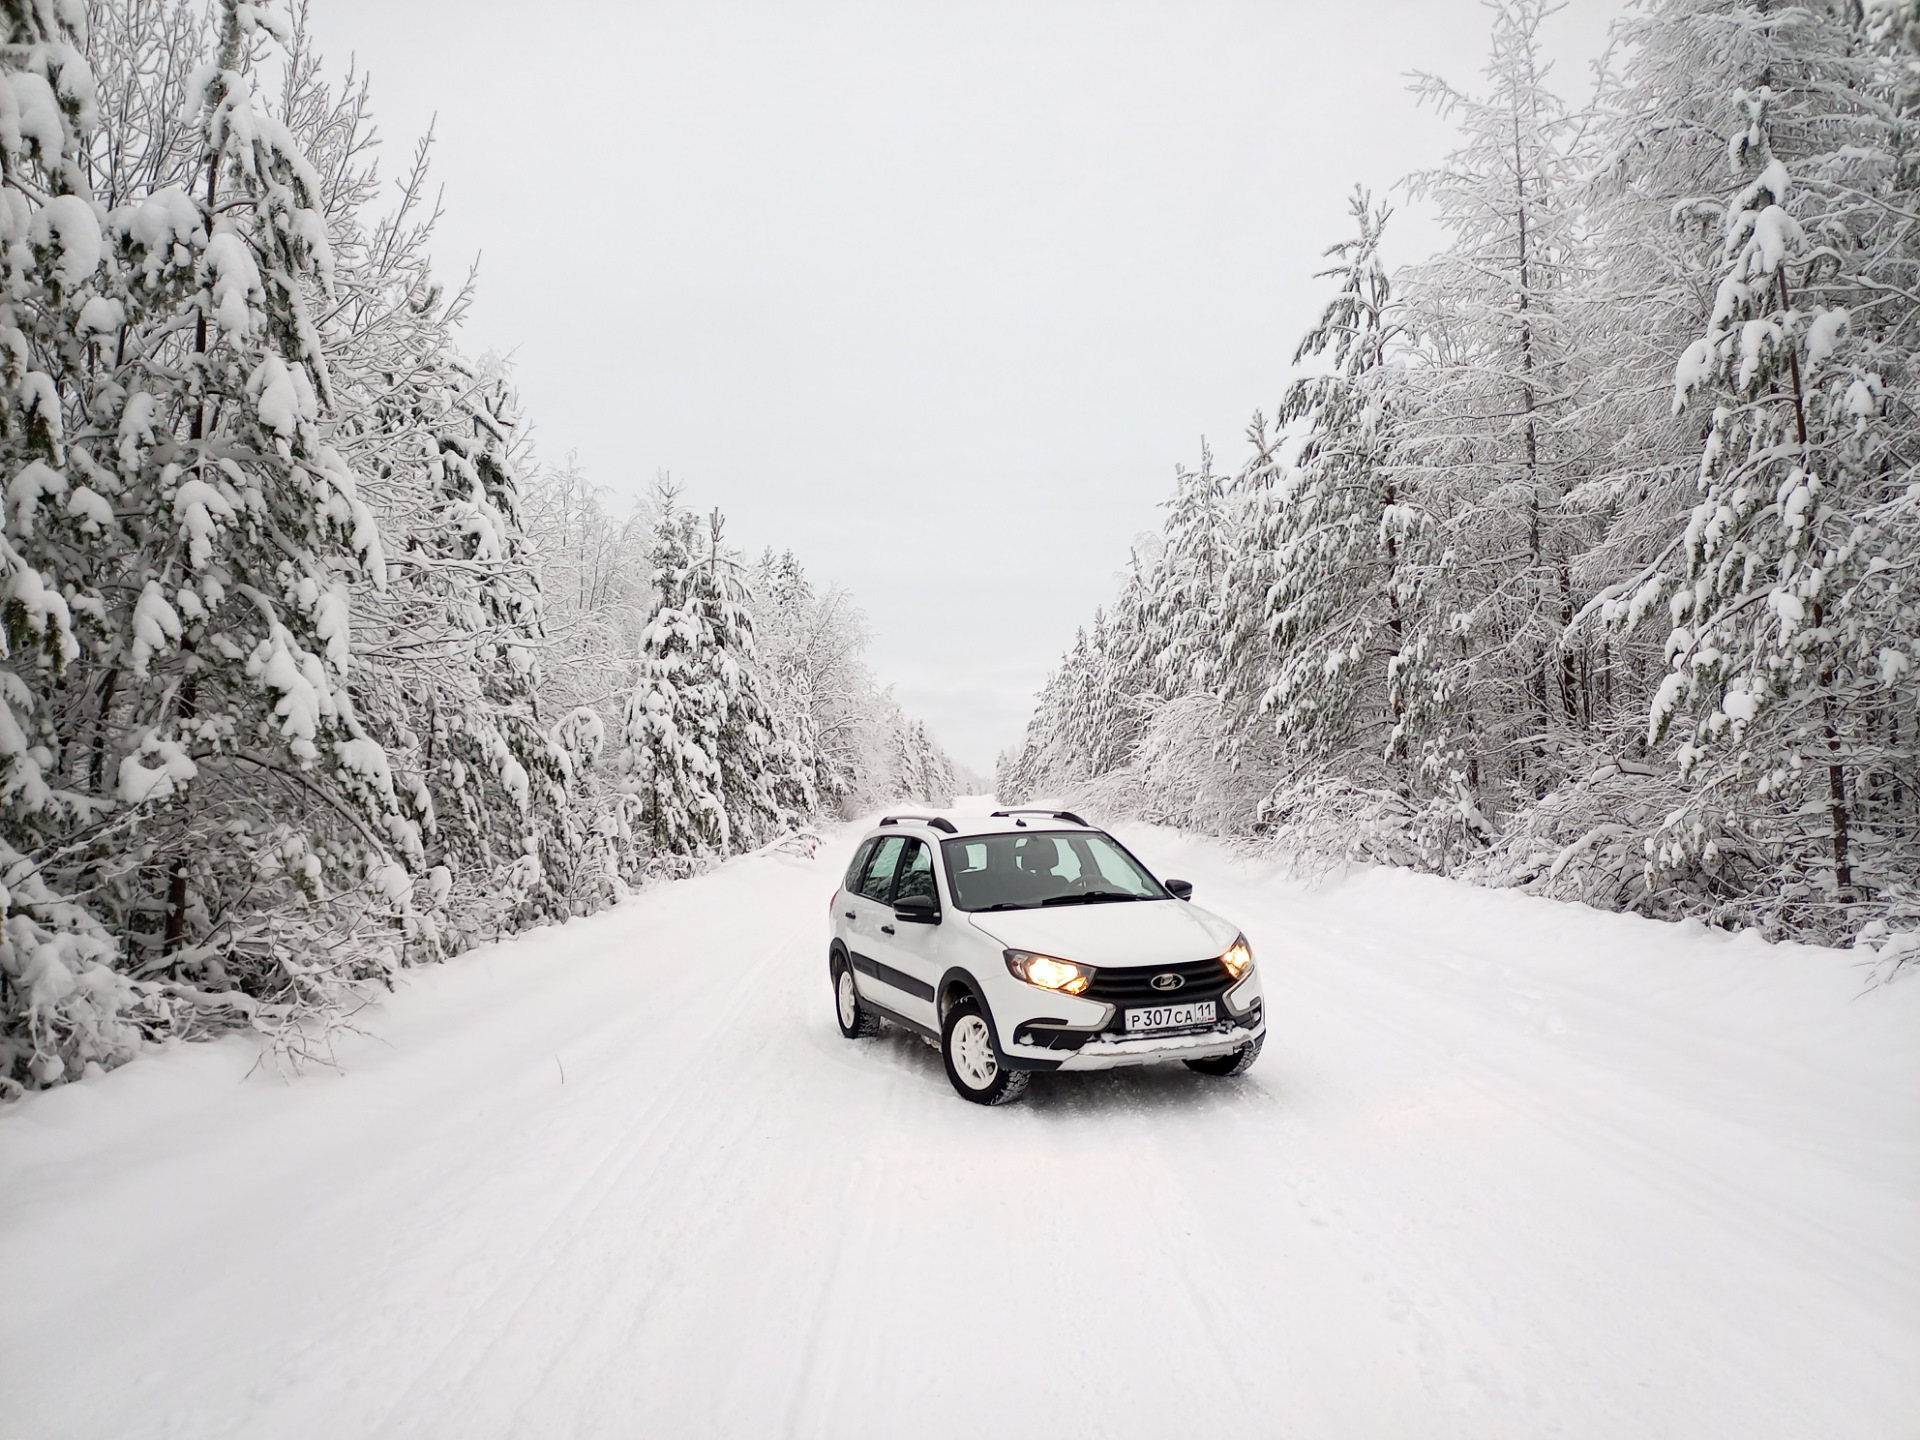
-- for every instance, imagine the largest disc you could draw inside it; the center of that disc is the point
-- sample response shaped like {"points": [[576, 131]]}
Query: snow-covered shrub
{"points": [[1177, 774]]}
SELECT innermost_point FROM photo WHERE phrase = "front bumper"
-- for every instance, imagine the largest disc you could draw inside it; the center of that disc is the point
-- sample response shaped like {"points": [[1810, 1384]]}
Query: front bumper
{"points": [[1102, 1041], [1110, 1053]]}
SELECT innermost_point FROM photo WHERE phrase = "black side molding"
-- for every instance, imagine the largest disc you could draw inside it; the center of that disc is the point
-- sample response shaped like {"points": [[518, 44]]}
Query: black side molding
{"points": [[887, 975]]}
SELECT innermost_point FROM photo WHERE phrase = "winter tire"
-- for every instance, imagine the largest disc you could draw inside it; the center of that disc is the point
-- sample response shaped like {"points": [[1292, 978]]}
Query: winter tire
{"points": [[1234, 1062], [857, 1021], [966, 1044]]}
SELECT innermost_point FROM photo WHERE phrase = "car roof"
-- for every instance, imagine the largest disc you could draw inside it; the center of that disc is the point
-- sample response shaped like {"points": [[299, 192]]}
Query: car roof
{"points": [[1001, 822]]}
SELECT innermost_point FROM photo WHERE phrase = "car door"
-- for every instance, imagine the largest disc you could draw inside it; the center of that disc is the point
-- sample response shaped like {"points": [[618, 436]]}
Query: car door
{"points": [[873, 928], [908, 951], [846, 914]]}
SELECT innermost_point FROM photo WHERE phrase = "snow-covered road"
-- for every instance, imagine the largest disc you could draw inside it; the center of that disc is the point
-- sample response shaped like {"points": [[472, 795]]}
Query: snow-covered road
{"points": [[1507, 1168]]}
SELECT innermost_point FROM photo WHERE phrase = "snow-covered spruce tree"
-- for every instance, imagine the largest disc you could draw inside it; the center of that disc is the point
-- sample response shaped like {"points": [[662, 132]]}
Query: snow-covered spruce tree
{"points": [[1120, 692], [1055, 755], [181, 500], [701, 750], [449, 675], [461, 632], [1658, 172], [809, 649], [62, 1003], [677, 706], [1116, 729], [1186, 603], [904, 762], [1794, 640], [1491, 698], [765, 784], [1323, 591]]}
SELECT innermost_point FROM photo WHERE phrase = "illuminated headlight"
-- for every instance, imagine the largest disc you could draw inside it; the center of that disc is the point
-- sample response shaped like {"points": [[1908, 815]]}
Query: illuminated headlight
{"points": [[1049, 973], [1239, 958]]}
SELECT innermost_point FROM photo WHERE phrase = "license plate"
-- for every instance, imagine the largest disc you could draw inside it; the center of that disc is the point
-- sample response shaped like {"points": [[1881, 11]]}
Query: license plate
{"points": [[1171, 1017]]}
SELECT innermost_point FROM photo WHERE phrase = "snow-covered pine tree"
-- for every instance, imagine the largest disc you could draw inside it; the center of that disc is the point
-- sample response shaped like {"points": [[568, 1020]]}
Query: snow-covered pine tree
{"points": [[702, 750], [1491, 697], [449, 672], [764, 782], [677, 706], [907, 763], [797, 660], [184, 503], [1325, 585], [462, 632], [1793, 646], [1127, 682], [1189, 588], [1659, 161], [63, 1002]]}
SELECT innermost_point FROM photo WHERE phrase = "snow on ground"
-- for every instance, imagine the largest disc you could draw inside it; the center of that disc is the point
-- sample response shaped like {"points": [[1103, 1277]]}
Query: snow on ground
{"points": [[1507, 1168]]}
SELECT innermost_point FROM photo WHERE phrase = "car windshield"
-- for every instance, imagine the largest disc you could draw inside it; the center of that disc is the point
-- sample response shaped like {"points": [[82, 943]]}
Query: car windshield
{"points": [[1024, 872]]}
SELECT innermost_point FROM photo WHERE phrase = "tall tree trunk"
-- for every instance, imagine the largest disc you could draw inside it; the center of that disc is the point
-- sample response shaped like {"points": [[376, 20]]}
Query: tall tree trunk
{"points": [[177, 896]]}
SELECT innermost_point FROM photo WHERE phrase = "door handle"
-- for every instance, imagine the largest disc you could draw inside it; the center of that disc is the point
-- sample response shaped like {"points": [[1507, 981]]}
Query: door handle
{"points": [[886, 929], [850, 915]]}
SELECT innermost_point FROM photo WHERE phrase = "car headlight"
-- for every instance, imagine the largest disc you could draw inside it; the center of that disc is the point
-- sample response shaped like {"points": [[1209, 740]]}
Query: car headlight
{"points": [[1239, 958], [1049, 973]]}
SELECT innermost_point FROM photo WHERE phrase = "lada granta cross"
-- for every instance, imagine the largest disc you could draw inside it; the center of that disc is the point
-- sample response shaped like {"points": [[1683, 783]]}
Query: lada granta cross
{"points": [[1033, 941]]}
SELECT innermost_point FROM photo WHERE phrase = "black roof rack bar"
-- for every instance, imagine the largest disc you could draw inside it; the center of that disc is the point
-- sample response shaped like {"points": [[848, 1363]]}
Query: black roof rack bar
{"points": [[938, 822], [1067, 815]]}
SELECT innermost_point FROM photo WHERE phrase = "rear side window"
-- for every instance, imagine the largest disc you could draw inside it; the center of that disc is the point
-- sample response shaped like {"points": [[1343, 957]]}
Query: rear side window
{"points": [[878, 884], [859, 865]]}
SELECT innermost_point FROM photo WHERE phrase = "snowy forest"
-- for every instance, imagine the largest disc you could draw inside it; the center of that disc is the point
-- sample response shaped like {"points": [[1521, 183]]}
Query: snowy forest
{"points": [[1583, 556], [310, 670]]}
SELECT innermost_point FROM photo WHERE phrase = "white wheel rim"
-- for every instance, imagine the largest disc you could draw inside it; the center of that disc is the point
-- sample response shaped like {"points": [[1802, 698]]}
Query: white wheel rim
{"points": [[973, 1052], [849, 1000]]}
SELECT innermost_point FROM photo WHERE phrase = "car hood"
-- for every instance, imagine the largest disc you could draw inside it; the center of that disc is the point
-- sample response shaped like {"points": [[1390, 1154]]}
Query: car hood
{"points": [[1125, 932]]}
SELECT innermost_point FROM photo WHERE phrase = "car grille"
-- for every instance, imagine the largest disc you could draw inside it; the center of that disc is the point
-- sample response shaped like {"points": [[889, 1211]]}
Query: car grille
{"points": [[1205, 980]]}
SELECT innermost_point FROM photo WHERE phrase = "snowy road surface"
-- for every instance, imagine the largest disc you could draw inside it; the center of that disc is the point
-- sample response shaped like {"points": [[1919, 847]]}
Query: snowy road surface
{"points": [[1507, 1168]]}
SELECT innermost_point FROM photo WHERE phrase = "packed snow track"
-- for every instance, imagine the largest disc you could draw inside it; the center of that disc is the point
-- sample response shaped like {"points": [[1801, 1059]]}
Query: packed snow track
{"points": [[1507, 1168]]}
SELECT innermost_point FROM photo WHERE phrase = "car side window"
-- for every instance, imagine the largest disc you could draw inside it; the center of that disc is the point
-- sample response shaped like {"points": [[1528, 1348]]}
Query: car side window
{"points": [[878, 884], [859, 866], [916, 873]]}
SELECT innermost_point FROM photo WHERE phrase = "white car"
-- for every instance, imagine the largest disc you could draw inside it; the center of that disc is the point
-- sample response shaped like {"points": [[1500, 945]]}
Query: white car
{"points": [[1033, 941]]}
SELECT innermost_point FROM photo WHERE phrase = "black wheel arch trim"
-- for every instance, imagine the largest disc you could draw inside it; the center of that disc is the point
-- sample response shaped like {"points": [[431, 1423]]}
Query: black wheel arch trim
{"points": [[960, 976]]}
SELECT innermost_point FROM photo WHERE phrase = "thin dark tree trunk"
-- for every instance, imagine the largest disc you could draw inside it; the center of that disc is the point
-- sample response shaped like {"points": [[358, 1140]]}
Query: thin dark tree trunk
{"points": [[97, 764]]}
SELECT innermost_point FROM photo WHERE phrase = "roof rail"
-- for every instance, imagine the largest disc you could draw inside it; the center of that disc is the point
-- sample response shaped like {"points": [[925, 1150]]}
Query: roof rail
{"points": [[937, 822], [1066, 815]]}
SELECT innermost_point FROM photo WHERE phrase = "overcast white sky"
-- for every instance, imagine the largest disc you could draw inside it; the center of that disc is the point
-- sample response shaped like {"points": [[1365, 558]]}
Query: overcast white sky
{"points": [[935, 294]]}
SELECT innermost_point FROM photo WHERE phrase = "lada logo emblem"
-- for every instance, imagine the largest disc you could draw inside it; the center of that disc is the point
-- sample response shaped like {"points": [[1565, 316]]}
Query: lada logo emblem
{"points": [[1169, 981]]}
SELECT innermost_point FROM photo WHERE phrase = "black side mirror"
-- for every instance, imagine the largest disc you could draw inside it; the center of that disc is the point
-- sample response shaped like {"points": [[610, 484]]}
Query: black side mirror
{"points": [[1179, 889], [920, 909]]}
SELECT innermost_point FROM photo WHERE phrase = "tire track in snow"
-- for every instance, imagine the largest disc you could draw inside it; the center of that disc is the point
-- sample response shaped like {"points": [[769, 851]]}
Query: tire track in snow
{"points": [[645, 1165]]}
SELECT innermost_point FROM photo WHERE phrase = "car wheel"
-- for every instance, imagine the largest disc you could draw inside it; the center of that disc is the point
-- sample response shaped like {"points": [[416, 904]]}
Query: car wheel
{"points": [[966, 1044], [857, 1021], [1234, 1062]]}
